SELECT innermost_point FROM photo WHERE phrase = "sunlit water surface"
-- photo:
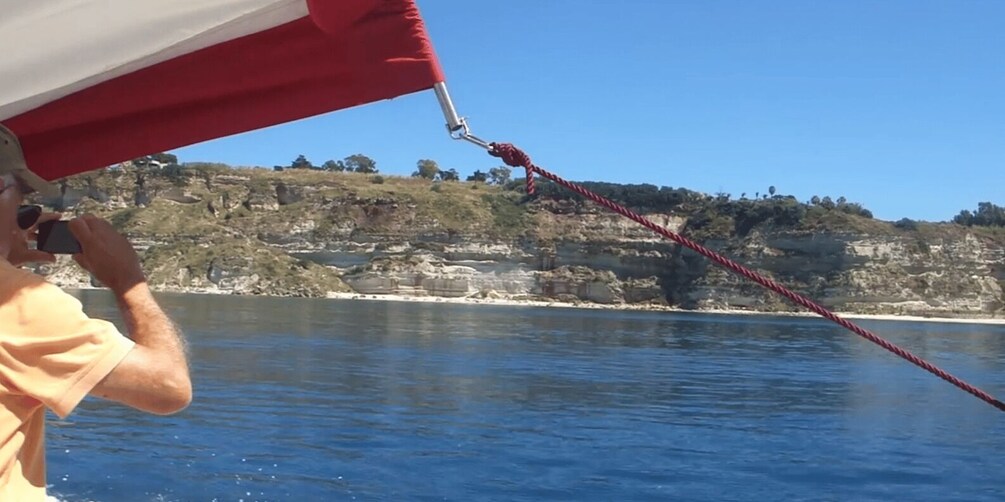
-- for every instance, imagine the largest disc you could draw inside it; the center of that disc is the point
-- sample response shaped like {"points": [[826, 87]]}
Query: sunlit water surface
{"points": [[354, 400]]}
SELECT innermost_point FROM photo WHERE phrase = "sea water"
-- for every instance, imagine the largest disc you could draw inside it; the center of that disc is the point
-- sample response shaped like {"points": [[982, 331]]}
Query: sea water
{"points": [[360, 400]]}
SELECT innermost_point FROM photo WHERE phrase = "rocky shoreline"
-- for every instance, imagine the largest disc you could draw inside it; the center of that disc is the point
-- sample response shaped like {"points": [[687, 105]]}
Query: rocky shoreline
{"points": [[509, 302], [658, 308], [320, 234]]}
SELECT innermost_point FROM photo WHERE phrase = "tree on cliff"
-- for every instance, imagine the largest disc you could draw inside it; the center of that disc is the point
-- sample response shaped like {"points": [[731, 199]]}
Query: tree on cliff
{"points": [[301, 162], [360, 163], [499, 175], [333, 166], [426, 169], [449, 175], [987, 215]]}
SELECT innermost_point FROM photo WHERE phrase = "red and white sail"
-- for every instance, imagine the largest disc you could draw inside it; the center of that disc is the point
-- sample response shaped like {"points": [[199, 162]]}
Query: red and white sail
{"points": [[88, 83]]}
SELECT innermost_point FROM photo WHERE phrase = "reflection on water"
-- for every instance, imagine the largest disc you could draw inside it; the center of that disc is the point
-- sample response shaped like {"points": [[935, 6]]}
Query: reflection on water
{"points": [[319, 399]]}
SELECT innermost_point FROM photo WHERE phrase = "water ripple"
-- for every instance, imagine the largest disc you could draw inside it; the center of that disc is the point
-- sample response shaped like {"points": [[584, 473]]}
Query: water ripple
{"points": [[342, 400]]}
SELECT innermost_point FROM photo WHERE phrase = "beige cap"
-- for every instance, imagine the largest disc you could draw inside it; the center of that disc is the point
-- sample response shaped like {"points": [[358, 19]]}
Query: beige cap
{"points": [[12, 162]]}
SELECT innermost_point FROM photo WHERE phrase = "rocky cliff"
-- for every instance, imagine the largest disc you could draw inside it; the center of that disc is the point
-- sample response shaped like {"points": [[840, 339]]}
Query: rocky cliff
{"points": [[309, 233]]}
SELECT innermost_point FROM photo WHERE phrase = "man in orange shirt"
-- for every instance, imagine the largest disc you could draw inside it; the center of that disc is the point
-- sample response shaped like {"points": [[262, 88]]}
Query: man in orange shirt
{"points": [[52, 354]]}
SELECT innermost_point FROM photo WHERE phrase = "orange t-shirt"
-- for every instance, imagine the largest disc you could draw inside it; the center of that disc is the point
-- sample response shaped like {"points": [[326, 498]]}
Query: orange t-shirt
{"points": [[51, 356]]}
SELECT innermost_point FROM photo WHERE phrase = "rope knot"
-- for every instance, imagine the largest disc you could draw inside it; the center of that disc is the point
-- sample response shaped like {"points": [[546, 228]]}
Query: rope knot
{"points": [[515, 157], [510, 154]]}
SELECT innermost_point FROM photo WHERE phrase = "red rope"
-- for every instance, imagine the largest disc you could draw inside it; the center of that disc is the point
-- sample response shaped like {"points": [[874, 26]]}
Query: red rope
{"points": [[517, 158]]}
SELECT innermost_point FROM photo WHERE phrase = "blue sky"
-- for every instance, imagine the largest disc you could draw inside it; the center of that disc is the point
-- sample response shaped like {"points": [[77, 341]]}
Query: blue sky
{"points": [[898, 105]]}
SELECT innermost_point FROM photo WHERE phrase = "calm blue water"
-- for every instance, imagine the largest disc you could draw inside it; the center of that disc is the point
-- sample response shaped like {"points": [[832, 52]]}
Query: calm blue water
{"points": [[353, 400]]}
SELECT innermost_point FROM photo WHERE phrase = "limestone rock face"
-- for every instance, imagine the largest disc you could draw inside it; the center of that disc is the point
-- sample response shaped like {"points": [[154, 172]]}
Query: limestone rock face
{"points": [[258, 201], [252, 231], [582, 283], [426, 275], [180, 196]]}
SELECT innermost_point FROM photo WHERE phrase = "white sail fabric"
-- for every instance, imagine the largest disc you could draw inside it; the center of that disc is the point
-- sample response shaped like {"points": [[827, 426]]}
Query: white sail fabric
{"points": [[53, 48]]}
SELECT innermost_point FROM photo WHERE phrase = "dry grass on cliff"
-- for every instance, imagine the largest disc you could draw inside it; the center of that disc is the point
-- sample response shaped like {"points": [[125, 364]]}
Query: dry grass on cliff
{"points": [[264, 269], [376, 203], [456, 207], [818, 219]]}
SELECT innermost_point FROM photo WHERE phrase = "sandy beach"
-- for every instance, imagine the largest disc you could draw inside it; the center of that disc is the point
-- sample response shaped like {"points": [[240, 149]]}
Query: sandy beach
{"points": [[591, 306], [469, 300], [647, 308]]}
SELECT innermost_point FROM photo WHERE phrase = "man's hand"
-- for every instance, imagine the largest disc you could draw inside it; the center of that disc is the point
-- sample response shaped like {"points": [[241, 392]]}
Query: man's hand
{"points": [[21, 254], [106, 254]]}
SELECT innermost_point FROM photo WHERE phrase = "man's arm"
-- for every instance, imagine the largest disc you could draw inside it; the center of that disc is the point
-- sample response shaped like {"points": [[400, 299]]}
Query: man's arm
{"points": [[154, 375]]}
